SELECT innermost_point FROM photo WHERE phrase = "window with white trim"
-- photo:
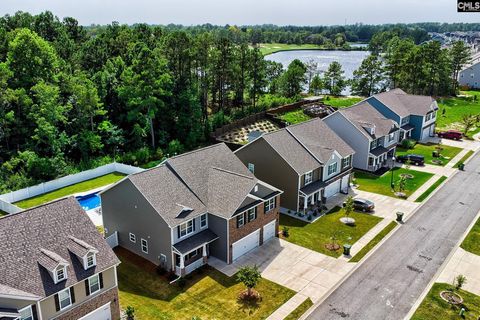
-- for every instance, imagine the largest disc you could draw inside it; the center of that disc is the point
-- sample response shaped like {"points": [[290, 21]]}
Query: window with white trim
{"points": [[240, 220], [332, 168], [308, 177], [252, 214], [251, 167], [203, 220], [185, 228], [64, 299], [144, 245], [26, 314], [132, 237], [60, 273], [269, 204], [391, 137], [346, 161], [90, 260], [94, 284]]}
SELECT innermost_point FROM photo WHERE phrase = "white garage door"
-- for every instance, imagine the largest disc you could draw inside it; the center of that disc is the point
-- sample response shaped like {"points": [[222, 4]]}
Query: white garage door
{"points": [[102, 313], [426, 132], [332, 189], [245, 244], [269, 231]]}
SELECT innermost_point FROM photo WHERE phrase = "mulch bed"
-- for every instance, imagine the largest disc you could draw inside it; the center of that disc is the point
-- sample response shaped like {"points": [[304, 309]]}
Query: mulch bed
{"points": [[332, 246], [451, 297]]}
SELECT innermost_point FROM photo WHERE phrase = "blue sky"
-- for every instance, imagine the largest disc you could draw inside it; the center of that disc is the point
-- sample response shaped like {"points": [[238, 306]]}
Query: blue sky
{"points": [[281, 12]]}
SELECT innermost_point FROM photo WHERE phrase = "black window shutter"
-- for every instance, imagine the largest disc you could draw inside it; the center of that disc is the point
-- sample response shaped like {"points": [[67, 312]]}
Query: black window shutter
{"points": [[178, 231], [72, 294], [265, 207], [193, 223], [238, 221], [87, 287], [100, 279], [34, 312], [57, 302]]}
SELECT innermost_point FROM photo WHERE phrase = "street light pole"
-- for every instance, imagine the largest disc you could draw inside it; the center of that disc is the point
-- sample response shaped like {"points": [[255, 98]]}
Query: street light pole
{"points": [[392, 184]]}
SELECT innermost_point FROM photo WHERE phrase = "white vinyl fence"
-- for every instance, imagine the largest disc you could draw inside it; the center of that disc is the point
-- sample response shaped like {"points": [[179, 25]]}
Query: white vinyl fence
{"points": [[7, 199]]}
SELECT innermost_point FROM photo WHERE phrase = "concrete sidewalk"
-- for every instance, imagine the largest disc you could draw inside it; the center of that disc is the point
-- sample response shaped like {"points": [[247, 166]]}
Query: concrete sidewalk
{"points": [[464, 263]]}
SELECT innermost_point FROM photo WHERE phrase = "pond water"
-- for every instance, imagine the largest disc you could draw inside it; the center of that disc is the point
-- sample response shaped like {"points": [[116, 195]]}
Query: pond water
{"points": [[350, 60]]}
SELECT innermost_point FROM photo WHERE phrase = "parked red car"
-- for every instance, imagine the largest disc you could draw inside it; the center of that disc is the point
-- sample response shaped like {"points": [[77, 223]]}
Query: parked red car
{"points": [[451, 134]]}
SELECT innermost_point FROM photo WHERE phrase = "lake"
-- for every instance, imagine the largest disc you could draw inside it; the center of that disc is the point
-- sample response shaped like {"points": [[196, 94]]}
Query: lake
{"points": [[350, 60]]}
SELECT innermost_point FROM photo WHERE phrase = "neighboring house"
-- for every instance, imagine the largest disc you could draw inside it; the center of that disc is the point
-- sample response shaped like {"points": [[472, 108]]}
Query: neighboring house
{"points": [[415, 114], [372, 135], [54, 264], [308, 161], [195, 205], [470, 75]]}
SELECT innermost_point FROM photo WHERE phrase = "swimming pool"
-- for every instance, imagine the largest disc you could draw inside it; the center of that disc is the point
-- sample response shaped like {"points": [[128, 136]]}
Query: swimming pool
{"points": [[89, 201]]}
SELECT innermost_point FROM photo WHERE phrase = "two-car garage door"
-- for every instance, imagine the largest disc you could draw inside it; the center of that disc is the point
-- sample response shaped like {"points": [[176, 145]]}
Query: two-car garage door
{"points": [[102, 313], [245, 244]]}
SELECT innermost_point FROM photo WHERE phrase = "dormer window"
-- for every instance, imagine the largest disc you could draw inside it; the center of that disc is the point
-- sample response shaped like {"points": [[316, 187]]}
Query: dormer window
{"points": [[90, 260], [60, 274]]}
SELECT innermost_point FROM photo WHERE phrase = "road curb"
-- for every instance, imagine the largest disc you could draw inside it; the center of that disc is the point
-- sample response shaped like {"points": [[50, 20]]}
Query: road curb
{"points": [[365, 258]]}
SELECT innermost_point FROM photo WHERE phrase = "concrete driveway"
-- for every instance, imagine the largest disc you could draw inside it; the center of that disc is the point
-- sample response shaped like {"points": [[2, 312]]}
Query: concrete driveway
{"points": [[305, 271], [386, 207]]}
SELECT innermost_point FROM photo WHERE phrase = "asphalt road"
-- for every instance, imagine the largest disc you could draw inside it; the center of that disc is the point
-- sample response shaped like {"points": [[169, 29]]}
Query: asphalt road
{"points": [[389, 282]]}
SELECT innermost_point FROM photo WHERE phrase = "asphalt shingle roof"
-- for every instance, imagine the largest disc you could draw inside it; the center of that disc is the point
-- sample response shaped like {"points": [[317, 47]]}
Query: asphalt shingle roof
{"points": [[308, 145], [26, 236], [211, 180], [405, 104], [363, 116]]}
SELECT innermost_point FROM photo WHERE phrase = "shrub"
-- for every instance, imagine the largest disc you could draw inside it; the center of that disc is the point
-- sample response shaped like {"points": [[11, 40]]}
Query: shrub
{"points": [[182, 282], [309, 218], [161, 270], [171, 276], [269, 101], [130, 312], [315, 213], [460, 280], [408, 143], [175, 147], [285, 231]]}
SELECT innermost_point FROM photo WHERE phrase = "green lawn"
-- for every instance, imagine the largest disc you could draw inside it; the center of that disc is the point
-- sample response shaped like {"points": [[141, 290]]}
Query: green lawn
{"points": [[434, 186], [75, 188], [341, 102], [426, 150], [2, 213], [295, 116], [269, 48], [208, 294], [472, 242], [316, 235], [433, 307], [372, 243], [455, 108], [372, 183], [464, 158], [300, 310]]}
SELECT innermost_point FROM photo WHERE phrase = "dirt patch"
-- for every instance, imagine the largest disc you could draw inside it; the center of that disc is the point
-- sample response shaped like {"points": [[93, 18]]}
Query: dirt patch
{"points": [[332, 246]]}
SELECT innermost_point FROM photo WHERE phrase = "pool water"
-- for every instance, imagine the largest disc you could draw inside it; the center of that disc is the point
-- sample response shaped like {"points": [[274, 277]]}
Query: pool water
{"points": [[89, 201]]}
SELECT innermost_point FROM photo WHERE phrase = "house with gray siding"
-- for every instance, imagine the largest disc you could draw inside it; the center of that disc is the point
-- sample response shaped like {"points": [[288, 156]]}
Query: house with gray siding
{"points": [[193, 206], [415, 114], [54, 264], [308, 161], [373, 136], [470, 75]]}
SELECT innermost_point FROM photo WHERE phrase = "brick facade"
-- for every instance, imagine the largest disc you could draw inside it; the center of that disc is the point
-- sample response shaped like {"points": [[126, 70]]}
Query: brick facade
{"points": [[249, 227], [110, 295]]}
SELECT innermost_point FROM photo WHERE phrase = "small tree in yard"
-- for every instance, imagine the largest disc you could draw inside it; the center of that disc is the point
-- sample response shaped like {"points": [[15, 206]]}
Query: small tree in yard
{"points": [[469, 121], [249, 276], [459, 281], [130, 312], [348, 208], [402, 184]]}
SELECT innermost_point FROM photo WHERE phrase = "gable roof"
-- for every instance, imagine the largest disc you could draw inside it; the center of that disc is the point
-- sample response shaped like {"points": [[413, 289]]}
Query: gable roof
{"points": [[307, 145], [38, 238], [210, 179], [364, 116], [405, 104]]}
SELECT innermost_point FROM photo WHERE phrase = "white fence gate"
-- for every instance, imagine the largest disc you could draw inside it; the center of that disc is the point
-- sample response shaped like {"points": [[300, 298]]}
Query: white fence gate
{"points": [[112, 240]]}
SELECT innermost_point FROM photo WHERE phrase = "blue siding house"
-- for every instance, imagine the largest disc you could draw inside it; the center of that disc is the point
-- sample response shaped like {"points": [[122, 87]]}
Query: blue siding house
{"points": [[415, 114]]}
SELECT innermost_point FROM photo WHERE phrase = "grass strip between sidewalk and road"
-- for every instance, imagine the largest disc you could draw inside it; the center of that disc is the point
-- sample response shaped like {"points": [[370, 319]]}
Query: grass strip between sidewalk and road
{"points": [[471, 243], [464, 158], [433, 307], [300, 310], [434, 186], [373, 242]]}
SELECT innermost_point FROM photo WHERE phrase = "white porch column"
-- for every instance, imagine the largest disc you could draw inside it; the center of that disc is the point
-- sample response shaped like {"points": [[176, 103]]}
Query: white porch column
{"points": [[182, 262], [305, 202], [204, 250]]}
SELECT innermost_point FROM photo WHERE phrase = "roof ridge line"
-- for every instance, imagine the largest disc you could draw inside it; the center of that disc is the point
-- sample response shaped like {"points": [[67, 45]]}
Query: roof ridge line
{"points": [[304, 146], [231, 172]]}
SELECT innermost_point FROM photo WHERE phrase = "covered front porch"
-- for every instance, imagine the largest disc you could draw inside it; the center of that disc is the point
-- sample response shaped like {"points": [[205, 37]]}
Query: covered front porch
{"points": [[378, 157], [192, 253], [406, 132]]}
